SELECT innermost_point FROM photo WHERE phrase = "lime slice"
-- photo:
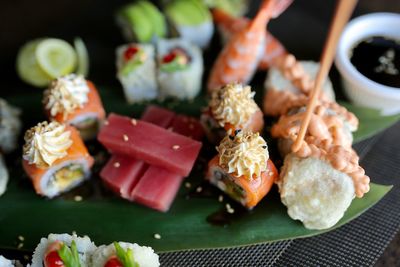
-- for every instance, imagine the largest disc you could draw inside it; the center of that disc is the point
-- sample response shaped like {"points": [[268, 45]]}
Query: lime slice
{"points": [[56, 57], [83, 57], [27, 65]]}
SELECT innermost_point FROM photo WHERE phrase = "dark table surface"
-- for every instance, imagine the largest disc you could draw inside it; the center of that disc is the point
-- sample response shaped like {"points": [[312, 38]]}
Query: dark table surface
{"points": [[302, 29]]}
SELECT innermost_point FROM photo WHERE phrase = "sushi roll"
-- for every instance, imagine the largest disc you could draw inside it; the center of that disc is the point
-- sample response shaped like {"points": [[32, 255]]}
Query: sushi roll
{"points": [[6, 262], [294, 78], [242, 168], [75, 101], [136, 70], [10, 126], [124, 254], [4, 176], [231, 107], [192, 20], [141, 22], [317, 189], [180, 69], [55, 158], [63, 250]]}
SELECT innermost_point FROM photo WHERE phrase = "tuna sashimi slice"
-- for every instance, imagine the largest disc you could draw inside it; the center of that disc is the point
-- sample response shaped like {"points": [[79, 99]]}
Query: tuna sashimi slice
{"points": [[187, 126], [150, 143], [122, 173], [157, 188], [158, 116]]}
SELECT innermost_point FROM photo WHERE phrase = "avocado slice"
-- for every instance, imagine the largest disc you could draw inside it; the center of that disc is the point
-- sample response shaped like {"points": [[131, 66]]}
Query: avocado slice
{"points": [[187, 12], [155, 17]]}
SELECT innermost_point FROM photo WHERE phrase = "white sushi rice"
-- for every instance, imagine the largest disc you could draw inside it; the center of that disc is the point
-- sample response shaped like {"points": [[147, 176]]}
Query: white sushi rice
{"points": [[277, 81], [4, 176], [140, 84], [144, 256], [10, 126], [182, 84], [314, 192], [49, 187], [199, 35], [84, 246], [5, 262]]}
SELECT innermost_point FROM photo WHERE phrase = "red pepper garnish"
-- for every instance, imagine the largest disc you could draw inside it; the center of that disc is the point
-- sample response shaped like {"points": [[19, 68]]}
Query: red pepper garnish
{"points": [[169, 58], [130, 52], [113, 262], [52, 259]]}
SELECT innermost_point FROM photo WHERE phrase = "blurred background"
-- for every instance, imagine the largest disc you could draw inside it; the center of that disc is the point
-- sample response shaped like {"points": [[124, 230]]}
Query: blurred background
{"points": [[302, 29]]}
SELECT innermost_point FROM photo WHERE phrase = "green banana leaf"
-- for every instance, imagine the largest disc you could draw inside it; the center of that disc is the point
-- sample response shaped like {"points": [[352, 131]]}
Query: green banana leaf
{"points": [[106, 218]]}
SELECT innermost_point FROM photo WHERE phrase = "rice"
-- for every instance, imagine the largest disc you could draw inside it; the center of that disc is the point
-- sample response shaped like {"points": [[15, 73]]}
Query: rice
{"points": [[3, 176], [84, 246], [144, 256], [181, 84], [10, 126], [5, 262], [140, 84]]}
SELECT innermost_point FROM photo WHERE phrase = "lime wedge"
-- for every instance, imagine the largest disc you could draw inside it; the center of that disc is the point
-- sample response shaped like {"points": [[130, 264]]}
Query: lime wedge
{"points": [[83, 57], [27, 65], [56, 57]]}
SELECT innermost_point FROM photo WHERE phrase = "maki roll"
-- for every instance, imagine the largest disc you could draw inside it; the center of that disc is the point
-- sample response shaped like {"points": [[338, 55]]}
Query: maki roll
{"points": [[75, 101], [63, 250], [180, 69], [192, 20], [4, 176], [141, 22], [124, 254], [136, 70], [242, 168], [10, 126], [231, 107], [55, 158]]}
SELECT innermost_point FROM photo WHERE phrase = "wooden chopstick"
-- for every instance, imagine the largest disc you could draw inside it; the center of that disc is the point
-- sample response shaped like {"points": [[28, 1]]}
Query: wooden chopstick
{"points": [[344, 9]]}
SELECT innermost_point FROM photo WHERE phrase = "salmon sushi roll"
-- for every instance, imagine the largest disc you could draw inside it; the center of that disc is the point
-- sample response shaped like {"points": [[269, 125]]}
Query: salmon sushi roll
{"points": [[55, 158], [73, 100], [242, 168], [231, 107]]}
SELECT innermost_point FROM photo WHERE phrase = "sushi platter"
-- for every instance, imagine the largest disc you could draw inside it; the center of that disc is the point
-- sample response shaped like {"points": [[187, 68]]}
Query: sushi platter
{"points": [[182, 155]]}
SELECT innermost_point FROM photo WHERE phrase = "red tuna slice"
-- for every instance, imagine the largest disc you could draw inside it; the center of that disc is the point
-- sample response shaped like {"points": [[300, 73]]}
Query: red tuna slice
{"points": [[187, 126], [150, 143], [122, 173], [158, 116], [157, 188]]}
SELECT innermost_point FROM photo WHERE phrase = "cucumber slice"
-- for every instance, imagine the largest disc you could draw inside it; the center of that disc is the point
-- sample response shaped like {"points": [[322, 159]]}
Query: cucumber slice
{"points": [[157, 19], [28, 68], [55, 57], [83, 57]]}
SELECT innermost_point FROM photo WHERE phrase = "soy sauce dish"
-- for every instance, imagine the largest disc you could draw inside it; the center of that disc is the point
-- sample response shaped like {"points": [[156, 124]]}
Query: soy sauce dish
{"points": [[368, 59]]}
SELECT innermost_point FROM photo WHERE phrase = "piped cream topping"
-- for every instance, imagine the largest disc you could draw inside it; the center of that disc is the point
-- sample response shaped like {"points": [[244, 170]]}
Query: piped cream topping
{"points": [[45, 143], [66, 94], [246, 154], [233, 104]]}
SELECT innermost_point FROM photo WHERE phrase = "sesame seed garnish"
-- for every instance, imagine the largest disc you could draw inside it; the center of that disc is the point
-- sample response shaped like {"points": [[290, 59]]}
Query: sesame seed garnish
{"points": [[157, 236], [188, 185], [229, 209], [117, 164], [21, 238], [133, 121], [199, 189], [175, 147], [220, 198], [191, 126], [126, 138], [73, 232], [78, 198], [20, 245]]}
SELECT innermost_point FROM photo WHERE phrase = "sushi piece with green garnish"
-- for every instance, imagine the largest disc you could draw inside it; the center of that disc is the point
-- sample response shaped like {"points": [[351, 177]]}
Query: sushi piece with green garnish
{"points": [[191, 20], [141, 21]]}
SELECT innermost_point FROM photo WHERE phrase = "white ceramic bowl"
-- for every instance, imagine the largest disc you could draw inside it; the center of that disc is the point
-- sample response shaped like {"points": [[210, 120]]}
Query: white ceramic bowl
{"points": [[361, 90]]}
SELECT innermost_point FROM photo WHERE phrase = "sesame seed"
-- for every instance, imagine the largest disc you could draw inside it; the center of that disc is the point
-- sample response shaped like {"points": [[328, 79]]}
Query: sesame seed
{"points": [[175, 147], [20, 245], [21, 238], [191, 126], [199, 189], [78, 198], [73, 232], [126, 138], [157, 236], [220, 198], [229, 209], [117, 164], [188, 185], [133, 121]]}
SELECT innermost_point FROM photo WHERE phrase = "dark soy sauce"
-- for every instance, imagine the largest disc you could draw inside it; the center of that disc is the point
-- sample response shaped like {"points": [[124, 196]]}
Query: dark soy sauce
{"points": [[378, 58]]}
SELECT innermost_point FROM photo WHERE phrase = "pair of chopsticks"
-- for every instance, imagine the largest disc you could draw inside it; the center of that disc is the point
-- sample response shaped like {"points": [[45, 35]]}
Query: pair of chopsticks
{"points": [[344, 9]]}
